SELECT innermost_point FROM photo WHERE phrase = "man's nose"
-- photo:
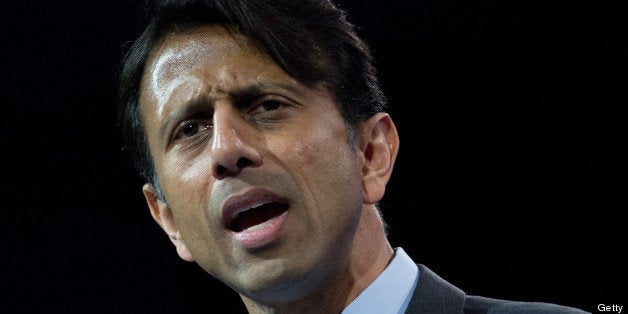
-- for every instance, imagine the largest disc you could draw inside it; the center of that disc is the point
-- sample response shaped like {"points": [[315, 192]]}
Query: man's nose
{"points": [[232, 147]]}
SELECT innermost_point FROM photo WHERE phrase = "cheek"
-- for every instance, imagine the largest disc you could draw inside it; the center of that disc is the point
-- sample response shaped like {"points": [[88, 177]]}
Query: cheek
{"points": [[323, 163], [194, 173], [307, 156], [320, 146], [300, 154], [187, 188]]}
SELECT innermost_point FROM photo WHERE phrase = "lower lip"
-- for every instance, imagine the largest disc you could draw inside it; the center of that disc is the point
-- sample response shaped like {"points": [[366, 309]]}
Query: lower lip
{"points": [[262, 234]]}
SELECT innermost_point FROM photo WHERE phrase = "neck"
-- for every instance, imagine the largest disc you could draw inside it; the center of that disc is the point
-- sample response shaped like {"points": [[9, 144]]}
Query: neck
{"points": [[370, 254]]}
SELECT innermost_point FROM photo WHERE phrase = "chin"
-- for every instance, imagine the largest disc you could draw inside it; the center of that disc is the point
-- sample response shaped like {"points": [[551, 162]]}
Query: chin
{"points": [[278, 282]]}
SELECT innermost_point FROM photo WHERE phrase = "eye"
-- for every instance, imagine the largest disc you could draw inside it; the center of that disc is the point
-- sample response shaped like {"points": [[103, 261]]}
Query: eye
{"points": [[271, 105], [189, 129], [267, 105]]}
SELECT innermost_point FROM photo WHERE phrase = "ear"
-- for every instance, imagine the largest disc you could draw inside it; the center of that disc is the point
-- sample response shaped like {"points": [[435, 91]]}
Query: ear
{"points": [[379, 144], [162, 214]]}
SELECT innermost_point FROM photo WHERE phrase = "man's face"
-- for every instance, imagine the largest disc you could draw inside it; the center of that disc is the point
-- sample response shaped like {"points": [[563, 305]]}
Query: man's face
{"points": [[255, 167]]}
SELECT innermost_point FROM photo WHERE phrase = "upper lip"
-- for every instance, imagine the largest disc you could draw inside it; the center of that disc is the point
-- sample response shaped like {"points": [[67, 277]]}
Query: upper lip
{"points": [[240, 202]]}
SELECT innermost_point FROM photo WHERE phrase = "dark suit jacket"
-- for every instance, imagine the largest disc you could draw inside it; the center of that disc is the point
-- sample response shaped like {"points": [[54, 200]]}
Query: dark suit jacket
{"points": [[435, 295]]}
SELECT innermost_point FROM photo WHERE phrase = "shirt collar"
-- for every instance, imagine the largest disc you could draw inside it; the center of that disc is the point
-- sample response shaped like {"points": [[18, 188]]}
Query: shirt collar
{"points": [[392, 289]]}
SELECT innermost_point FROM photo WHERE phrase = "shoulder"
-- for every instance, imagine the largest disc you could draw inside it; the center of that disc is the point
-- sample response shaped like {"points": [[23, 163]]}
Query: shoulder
{"points": [[435, 295], [479, 305]]}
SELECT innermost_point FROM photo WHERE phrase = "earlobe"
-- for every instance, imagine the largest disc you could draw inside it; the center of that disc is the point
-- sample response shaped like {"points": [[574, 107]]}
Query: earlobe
{"points": [[162, 214], [379, 144]]}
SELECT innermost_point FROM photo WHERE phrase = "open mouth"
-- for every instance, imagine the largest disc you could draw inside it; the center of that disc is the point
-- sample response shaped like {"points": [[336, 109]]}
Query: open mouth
{"points": [[256, 215]]}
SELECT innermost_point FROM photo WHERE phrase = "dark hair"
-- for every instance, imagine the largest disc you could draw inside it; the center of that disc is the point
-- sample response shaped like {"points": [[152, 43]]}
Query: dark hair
{"points": [[309, 39]]}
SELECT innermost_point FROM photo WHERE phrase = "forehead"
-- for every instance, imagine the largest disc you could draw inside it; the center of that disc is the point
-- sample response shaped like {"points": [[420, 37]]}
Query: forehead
{"points": [[208, 45], [208, 58], [215, 40]]}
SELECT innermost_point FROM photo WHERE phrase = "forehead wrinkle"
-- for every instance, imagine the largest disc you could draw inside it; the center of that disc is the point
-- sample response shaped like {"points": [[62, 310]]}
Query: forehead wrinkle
{"points": [[174, 59], [170, 71]]}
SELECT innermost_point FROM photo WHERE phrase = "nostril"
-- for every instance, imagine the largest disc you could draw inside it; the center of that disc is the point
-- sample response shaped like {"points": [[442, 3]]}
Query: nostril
{"points": [[221, 171], [243, 163]]}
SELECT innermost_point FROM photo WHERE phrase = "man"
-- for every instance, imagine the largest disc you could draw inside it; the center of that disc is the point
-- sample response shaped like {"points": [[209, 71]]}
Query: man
{"points": [[259, 127]]}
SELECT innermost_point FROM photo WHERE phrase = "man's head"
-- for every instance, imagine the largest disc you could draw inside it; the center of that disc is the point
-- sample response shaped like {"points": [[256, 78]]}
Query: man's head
{"points": [[259, 130], [311, 40]]}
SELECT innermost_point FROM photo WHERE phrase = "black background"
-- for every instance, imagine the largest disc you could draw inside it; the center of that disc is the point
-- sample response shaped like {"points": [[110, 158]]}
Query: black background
{"points": [[510, 183]]}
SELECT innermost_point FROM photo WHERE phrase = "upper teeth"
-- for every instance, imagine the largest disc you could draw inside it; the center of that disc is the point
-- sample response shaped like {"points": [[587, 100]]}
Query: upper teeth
{"points": [[248, 208]]}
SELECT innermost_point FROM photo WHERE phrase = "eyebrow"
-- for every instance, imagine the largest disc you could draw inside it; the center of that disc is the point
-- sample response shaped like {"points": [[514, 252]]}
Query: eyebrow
{"points": [[242, 98]]}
